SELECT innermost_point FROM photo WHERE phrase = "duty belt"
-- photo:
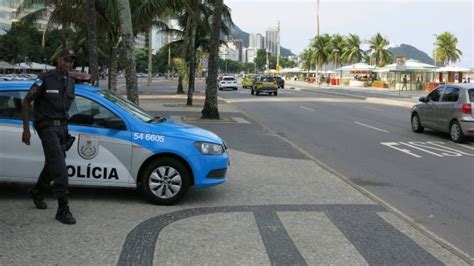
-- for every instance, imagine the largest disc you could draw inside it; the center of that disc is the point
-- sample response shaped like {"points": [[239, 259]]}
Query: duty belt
{"points": [[51, 123]]}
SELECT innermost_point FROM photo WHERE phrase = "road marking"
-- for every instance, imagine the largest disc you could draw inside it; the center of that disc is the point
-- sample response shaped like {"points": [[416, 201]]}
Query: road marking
{"points": [[376, 128], [276, 100], [240, 120], [435, 148], [306, 108], [375, 109], [393, 144]]}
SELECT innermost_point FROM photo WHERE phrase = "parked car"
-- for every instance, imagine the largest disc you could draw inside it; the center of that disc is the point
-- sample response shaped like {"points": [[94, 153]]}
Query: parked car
{"points": [[227, 82], [448, 108], [117, 144], [265, 84], [281, 82]]}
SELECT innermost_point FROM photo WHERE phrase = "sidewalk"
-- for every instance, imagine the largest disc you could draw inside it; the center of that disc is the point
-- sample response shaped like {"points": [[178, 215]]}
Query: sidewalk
{"points": [[372, 95], [281, 206]]}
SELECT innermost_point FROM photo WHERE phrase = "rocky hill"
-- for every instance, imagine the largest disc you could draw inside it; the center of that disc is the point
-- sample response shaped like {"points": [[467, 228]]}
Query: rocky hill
{"points": [[411, 52]]}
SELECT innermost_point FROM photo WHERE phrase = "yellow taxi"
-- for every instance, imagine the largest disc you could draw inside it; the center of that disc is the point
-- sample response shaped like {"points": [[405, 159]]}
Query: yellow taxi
{"points": [[247, 81], [265, 84]]}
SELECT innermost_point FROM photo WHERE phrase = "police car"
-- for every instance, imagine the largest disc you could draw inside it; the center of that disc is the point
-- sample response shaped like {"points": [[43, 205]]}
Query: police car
{"points": [[117, 144]]}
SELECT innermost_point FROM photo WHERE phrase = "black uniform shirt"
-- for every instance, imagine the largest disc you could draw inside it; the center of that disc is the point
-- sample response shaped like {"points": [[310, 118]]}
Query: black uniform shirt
{"points": [[52, 94]]}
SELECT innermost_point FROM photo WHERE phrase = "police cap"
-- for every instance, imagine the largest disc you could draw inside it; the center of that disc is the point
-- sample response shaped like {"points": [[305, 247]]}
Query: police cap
{"points": [[68, 53]]}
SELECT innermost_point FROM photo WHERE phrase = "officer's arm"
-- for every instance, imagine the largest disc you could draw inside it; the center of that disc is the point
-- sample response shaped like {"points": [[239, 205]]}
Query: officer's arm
{"points": [[33, 93]]}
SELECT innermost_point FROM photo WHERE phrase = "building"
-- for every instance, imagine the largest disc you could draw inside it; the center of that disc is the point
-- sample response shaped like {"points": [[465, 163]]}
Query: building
{"points": [[252, 40], [161, 39], [140, 41], [229, 51], [259, 41], [271, 40], [9, 14], [239, 44], [250, 55]]}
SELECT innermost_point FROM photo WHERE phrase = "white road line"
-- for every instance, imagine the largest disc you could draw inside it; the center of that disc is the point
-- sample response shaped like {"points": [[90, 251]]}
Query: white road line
{"points": [[306, 108], [375, 109], [276, 100], [365, 125]]}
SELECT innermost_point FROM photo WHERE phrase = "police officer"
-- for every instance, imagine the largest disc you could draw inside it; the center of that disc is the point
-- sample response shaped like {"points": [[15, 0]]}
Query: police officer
{"points": [[52, 93]]}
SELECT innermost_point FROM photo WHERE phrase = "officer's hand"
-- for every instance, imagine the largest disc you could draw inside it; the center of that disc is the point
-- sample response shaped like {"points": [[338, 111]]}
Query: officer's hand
{"points": [[26, 137]]}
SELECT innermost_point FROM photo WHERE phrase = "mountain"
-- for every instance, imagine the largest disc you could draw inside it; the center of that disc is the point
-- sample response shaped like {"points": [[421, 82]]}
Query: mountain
{"points": [[237, 33], [411, 52]]}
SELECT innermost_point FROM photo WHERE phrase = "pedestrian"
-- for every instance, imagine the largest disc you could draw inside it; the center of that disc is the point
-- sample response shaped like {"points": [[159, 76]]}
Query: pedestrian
{"points": [[53, 94], [405, 83]]}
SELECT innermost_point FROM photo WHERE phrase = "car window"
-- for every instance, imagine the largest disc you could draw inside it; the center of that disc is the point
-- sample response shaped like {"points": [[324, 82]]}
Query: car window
{"points": [[86, 112], [471, 95], [436, 94], [11, 103], [127, 105], [451, 94], [229, 79], [268, 79]]}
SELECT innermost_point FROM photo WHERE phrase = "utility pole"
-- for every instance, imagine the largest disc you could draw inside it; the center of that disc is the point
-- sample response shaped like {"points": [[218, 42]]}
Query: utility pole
{"points": [[150, 56], [268, 63], [317, 20], [278, 49]]}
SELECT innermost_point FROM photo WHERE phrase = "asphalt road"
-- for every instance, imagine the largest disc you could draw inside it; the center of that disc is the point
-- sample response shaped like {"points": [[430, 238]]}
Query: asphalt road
{"points": [[425, 176]]}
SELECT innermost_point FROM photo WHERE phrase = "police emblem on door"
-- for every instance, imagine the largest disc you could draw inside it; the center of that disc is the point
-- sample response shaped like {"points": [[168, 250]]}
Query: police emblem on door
{"points": [[88, 146]]}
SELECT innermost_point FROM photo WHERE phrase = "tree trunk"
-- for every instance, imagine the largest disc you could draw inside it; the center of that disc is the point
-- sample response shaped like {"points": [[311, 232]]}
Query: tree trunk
{"points": [[90, 13], [150, 57], [113, 69], [180, 85], [185, 51], [129, 47], [210, 110], [192, 49]]}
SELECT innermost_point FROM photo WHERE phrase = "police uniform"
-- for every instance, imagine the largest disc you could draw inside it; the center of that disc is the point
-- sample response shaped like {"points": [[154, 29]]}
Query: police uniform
{"points": [[52, 94]]}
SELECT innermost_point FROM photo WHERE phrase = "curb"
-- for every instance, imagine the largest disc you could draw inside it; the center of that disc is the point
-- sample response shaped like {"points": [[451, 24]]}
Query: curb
{"points": [[440, 241]]}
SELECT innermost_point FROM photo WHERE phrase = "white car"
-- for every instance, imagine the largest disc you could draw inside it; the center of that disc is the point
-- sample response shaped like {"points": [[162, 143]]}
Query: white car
{"points": [[227, 82]]}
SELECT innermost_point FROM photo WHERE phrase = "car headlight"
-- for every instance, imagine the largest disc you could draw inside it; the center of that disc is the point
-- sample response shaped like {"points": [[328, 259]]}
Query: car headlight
{"points": [[207, 148]]}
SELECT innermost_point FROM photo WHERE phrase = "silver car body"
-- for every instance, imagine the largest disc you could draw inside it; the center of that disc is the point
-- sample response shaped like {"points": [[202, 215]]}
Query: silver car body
{"points": [[444, 105]]}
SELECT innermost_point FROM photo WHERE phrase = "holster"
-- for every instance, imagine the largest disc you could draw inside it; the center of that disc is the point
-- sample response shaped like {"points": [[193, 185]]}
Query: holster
{"points": [[69, 142]]}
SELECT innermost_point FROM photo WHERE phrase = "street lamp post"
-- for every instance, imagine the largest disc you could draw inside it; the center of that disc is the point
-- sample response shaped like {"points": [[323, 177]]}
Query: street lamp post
{"points": [[336, 51]]}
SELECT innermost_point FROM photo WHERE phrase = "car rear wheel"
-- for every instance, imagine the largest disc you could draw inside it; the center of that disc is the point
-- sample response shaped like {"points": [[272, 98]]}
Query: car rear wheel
{"points": [[251, 92], [416, 124], [456, 132], [275, 93], [256, 92], [165, 181]]}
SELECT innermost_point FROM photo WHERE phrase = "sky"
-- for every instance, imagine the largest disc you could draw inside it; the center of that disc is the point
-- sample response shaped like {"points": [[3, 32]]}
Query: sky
{"points": [[411, 22]]}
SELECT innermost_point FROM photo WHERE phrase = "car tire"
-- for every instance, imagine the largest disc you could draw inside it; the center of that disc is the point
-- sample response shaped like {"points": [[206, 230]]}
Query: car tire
{"points": [[251, 92], [416, 124], [275, 93], [165, 181], [257, 93], [455, 131]]}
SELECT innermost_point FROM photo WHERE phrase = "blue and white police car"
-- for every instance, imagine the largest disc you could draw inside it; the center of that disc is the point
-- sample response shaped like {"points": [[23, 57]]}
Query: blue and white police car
{"points": [[118, 144]]}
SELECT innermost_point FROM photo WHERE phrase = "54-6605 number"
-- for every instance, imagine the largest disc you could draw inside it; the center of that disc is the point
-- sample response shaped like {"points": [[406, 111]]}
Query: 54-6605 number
{"points": [[149, 137]]}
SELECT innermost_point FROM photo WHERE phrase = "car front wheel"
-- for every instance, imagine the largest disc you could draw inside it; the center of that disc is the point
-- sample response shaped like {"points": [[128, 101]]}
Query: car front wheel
{"points": [[456, 132], [416, 124], [165, 181]]}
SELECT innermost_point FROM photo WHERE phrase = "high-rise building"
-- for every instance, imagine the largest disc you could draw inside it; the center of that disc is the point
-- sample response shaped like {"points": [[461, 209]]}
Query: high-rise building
{"points": [[229, 51], [259, 41], [271, 40], [252, 40], [251, 54], [161, 39], [9, 14], [239, 45]]}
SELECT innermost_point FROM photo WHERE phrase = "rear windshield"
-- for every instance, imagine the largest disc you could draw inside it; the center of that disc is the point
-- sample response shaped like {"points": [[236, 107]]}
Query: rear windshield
{"points": [[268, 79], [229, 79], [471, 95]]}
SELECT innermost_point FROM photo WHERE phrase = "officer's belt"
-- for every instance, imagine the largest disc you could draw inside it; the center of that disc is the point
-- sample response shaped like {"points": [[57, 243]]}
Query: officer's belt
{"points": [[51, 123]]}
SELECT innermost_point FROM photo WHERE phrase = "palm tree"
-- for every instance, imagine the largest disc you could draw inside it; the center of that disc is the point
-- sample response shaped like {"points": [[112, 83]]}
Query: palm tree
{"points": [[351, 52], [336, 47], [210, 109], [129, 47], [90, 12], [446, 48], [378, 47], [307, 59], [321, 47]]}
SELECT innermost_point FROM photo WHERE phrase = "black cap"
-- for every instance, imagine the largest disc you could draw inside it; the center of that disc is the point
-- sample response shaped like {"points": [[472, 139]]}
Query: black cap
{"points": [[68, 52]]}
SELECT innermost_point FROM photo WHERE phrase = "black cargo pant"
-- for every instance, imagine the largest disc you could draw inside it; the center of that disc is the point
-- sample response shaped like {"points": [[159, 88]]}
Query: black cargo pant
{"points": [[53, 140]]}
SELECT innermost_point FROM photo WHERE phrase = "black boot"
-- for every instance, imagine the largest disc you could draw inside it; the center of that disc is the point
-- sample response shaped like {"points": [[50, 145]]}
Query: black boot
{"points": [[64, 215], [37, 197]]}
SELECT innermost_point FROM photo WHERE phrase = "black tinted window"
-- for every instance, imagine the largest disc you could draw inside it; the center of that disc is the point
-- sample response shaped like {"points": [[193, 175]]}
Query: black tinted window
{"points": [[451, 95], [10, 105], [268, 79], [471, 95], [86, 112], [229, 79], [436, 94]]}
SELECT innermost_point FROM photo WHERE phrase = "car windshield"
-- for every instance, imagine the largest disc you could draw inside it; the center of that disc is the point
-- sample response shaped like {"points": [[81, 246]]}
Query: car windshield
{"points": [[127, 105], [268, 79], [471, 95]]}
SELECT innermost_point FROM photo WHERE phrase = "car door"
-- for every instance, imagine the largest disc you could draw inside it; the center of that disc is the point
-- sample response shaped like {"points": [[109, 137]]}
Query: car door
{"points": [[429, 109], [102, 151], [446, 109], [18, 162]]}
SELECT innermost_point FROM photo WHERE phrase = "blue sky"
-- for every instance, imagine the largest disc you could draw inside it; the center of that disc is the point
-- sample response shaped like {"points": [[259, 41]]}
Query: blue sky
{"points": [[402, 21]]}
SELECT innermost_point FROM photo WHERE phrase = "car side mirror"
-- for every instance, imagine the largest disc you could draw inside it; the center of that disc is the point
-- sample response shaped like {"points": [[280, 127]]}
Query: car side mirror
{"points": [[423, 99], [114, 123]]}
